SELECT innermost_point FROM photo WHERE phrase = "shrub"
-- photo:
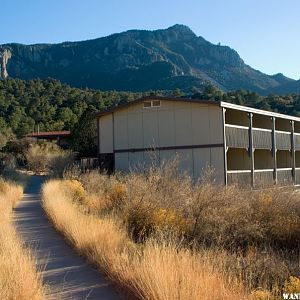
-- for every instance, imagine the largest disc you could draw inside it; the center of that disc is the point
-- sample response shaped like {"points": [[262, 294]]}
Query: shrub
{"points": [[48, 157], [238, 219], [17, 176], [105, 193], [171, 220], [75, 190], [38, 156], [213, 215], [292, 285], [144, 220], [72, 171], [3, 186], [255, 232], [118, 192], [261, 294], [10, 192], [94, 204], [139, 220], [19, 148], [59, 162], [7, 162]]}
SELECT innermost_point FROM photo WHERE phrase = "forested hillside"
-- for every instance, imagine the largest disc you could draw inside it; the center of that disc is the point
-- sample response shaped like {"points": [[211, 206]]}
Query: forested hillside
{"points": [[49, 103], [57, 106]]}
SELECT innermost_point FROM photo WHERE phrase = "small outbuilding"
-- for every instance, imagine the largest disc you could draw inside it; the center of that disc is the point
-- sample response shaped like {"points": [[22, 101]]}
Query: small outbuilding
{"points": [[60, 137], [244, 145]]}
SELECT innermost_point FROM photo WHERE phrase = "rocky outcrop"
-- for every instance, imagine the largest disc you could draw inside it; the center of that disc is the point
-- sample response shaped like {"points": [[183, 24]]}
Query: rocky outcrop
{"points": [[139, 60], [5, 55]]}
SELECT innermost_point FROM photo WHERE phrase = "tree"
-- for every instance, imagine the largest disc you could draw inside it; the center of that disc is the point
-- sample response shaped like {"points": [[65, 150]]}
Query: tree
{"points": [[6, 135], [211, 92], [84, 135], [177, 93]]}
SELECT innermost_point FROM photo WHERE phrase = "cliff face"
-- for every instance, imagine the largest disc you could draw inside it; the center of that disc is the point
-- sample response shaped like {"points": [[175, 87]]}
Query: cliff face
{"points": [[138, 60], [5, 55]]}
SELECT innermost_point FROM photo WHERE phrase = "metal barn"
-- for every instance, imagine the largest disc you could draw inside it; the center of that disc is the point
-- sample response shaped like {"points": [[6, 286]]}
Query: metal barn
{"points": [[244, 145]]}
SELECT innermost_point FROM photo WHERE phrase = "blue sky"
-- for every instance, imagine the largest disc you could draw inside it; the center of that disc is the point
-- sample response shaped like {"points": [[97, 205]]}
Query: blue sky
{"points": [[264, 32]]}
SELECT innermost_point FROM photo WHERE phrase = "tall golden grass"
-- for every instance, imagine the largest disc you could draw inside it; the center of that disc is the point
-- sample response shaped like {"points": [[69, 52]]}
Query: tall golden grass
{"points": [[19, 279], [163, 236], [154, 270]]}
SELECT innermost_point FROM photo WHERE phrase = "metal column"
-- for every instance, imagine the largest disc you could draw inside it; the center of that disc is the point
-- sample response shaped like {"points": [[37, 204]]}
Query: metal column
{"points": [[225, 146], [274, 150], [293, 152], [251, 149]]}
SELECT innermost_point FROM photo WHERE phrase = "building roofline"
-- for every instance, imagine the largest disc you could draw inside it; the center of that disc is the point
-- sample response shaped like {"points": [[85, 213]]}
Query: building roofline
{"points": [[49, 134], [200, 101], [121, 106], [257, 111]]}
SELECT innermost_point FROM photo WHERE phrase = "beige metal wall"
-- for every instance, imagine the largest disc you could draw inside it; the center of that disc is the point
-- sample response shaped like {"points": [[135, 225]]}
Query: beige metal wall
{"points": [[172, 124], [192, 161], [106, 134]]}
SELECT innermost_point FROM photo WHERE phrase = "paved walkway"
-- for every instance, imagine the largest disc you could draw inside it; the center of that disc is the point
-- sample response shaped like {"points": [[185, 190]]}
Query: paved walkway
{"points": [[65, 272]]}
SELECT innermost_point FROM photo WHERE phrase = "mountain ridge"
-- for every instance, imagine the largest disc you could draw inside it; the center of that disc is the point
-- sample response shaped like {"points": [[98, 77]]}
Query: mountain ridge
{"points": [[140, 60]]}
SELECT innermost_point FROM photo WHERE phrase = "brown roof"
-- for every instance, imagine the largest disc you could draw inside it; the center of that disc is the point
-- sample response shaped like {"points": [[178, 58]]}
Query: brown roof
{"points": [[49, 134]]}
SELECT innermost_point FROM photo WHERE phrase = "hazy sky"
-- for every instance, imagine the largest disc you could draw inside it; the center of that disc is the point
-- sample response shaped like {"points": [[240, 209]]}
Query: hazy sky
{"points": [[266, 33]]}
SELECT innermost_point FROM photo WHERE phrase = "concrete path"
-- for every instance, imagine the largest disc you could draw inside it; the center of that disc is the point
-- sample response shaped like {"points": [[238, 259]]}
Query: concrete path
{"points": [[65, 272]]}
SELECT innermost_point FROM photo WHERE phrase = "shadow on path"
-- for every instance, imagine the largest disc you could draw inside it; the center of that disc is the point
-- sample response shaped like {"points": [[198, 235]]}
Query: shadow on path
{"points": [[65, 272]]}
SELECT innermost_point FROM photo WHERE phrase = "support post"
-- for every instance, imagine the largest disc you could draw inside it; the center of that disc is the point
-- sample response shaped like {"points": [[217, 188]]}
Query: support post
{"points": [[251, 149], [293, 153], [224, 146], [274, 149], [98, 137]]}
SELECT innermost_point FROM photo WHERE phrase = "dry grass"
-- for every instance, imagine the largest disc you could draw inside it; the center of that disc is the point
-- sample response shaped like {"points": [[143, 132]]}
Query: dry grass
{"points": [[18, 277], [154, 270], [164, 228], [205, 212]]}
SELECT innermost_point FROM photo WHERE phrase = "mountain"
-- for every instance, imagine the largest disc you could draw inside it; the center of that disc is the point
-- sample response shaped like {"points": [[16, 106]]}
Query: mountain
{"points": [[285, 88], [140, 60]]}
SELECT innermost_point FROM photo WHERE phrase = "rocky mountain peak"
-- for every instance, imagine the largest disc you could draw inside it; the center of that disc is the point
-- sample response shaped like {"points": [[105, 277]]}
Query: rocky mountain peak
{"points": [[5, 55], [281, 78], [181, 28], [176, 32], [139, 60]]}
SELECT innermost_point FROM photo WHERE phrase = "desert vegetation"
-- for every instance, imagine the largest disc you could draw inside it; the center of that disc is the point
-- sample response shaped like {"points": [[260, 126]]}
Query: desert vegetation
{"points": [[34, 155], [19, 279], [161, 236], [47, 157]]}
